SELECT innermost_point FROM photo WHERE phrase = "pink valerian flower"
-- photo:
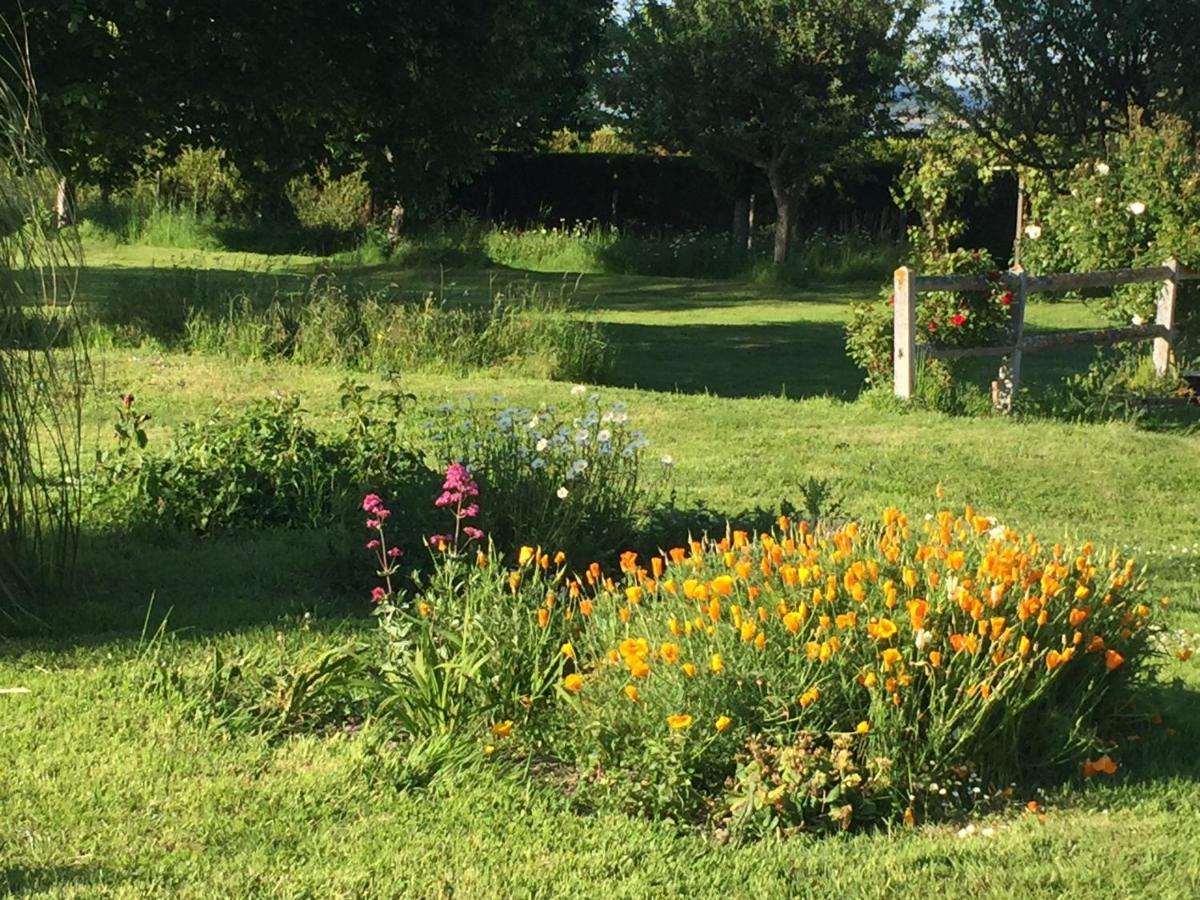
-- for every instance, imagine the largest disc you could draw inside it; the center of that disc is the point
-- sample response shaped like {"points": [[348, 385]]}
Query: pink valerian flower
{"points": [[385, 556], [457, 490], [459, 480]]}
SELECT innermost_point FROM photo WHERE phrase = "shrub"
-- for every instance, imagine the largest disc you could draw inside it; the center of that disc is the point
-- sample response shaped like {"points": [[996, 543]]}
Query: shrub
{"points": [[331, 205], [204, 180], [265, 467], [572, 478], [1135, 207], [943, 319], [951, 650]]}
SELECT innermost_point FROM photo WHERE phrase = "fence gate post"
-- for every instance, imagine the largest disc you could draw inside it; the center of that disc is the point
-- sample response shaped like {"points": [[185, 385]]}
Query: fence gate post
{"points": [[1010, 369], [904, 339], [1166, 318]]}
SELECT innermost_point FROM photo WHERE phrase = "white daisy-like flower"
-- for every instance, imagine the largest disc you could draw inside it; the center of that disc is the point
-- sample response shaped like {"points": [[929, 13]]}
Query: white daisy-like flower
{"points": [[562, 492], [1102, 168], [578, 390], [604, 435], [1137, 320], [541, 445], [1137, 207], [1033, 231], [668, 460]]}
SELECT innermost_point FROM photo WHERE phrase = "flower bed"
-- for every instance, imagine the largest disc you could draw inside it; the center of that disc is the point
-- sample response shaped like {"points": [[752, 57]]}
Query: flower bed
{"points": [[797, 680]]}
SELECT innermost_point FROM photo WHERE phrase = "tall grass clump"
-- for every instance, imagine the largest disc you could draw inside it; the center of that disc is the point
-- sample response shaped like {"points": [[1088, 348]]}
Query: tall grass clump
{"points": [[523, 329], [41, 368]]}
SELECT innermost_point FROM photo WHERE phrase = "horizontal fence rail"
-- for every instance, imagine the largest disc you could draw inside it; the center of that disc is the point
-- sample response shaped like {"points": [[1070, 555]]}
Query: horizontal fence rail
{"points": [[908, 285]]}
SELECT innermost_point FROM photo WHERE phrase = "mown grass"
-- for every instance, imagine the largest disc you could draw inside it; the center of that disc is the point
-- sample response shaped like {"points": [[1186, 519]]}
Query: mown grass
{"points": [[106, 792]]}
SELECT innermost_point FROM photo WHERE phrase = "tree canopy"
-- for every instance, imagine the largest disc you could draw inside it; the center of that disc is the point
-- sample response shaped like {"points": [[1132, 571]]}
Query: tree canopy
{"points": [[413, 92], [1046, 81], [783, 86]]}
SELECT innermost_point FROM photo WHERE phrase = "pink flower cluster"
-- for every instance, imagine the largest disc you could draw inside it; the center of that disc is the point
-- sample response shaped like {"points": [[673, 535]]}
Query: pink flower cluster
{"points": [[377, 514], [458, 491]]}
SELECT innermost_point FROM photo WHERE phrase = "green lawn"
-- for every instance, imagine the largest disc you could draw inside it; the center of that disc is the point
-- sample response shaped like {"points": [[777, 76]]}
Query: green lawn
{"points": [[104, 791]]}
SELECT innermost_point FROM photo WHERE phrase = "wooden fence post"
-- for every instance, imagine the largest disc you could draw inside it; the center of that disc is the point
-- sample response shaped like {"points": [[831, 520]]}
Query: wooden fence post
{"points": [[1166, 318], [904, 337], [1010, 369]]}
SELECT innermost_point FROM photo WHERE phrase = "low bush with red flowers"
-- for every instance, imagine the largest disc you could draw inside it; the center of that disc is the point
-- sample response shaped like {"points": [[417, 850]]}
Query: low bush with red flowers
{"points": [[944, 318]]}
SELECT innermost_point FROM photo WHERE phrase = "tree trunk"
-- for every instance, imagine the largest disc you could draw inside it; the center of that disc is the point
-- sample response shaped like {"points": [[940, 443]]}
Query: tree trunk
{"points": [[395, 222], [1020, 220], [783, 213], [62, 203], [750, 226], [740, 232]]}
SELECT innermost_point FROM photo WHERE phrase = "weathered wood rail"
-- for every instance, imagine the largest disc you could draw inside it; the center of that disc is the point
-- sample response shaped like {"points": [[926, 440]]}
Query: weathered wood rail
{"points": [[908, 285]]}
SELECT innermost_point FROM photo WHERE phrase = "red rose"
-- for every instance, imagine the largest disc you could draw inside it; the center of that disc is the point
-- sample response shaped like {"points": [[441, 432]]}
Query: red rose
{"points": [[891, 299], [1006, 298], [958, 319], [932, 326]]}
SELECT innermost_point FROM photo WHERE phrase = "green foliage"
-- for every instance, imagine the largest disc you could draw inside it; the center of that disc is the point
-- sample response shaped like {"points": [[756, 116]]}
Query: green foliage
{"points": [[569, 477], [588, 247], [1046, 83], [940, 171], [943, 319], [523, 329], [1135, 206], [268, 690], [812, 784], [262, 468], [784, 86], [204, 180], [419, 97], [334, 205]]}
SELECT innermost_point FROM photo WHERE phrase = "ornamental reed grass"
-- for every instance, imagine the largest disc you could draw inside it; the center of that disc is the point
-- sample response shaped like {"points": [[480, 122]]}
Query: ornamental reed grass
{"points": [[906, 670]]}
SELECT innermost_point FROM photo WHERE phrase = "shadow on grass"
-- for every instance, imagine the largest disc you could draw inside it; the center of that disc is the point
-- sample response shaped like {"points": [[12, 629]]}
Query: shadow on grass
{"points": [[791, 359], [18, 880], [1167, 750]]}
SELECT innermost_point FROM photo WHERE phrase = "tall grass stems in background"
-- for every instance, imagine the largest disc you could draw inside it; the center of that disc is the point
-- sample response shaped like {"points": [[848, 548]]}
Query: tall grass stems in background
{"points": [[523, 329], [858, 252], [41, 369]]}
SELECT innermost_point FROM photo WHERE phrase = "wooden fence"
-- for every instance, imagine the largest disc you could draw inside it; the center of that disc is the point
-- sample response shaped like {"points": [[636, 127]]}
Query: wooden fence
{"points": [[908, 285]]}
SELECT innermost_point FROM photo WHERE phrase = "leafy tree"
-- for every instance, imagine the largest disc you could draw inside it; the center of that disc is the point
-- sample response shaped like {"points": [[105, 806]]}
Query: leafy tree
{"points": [[783, 86], [1046, 81], [413, 93]]}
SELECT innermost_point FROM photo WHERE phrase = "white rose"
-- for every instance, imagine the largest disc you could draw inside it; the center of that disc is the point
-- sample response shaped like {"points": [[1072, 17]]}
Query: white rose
{"points": [[1137, 207], [1033, 232], [1102, 168]]}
